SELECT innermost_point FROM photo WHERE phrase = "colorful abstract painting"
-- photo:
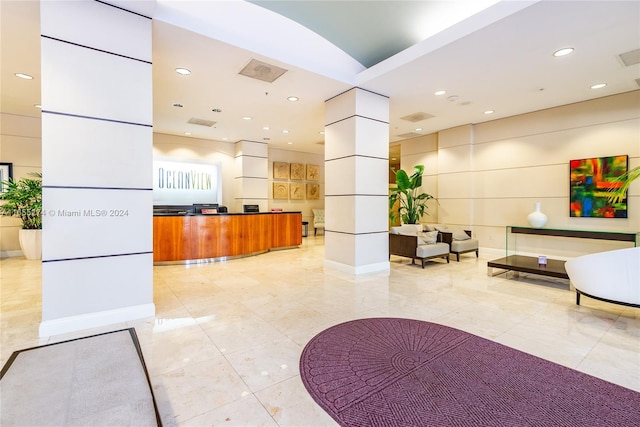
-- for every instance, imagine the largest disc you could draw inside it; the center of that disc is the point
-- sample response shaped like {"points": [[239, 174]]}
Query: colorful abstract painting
{"points": [[591, 180]]}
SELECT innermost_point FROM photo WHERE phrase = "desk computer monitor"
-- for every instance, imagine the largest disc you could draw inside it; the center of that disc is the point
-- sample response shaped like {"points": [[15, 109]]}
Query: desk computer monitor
{"points": [[250, 208]]}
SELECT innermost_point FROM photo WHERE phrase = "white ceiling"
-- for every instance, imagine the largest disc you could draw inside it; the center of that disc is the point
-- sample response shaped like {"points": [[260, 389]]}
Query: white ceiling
{"points": [[500, 59], [372, 31]]}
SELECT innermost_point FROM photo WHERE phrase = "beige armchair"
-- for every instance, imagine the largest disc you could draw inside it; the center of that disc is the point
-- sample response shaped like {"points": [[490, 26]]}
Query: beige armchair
{"points": [[460, 240], [409, 241], [318, 220]]}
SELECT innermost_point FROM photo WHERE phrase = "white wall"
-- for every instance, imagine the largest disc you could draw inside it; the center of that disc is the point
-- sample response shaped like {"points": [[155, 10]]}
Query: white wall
{"points": [[491, 174], [525, 159]]}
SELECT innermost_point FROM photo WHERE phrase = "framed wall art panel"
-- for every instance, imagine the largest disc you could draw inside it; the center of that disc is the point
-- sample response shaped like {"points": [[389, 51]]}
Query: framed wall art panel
{"points": [[280, 170], [297, 171], [313, 191], [296, 191], [590, 183], [280, 190], [313, 172]]}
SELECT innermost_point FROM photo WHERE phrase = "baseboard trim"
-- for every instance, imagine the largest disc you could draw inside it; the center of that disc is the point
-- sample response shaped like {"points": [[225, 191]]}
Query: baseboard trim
{"points": [[491, 253], [10, 254], [94, 320], [361, 269]]}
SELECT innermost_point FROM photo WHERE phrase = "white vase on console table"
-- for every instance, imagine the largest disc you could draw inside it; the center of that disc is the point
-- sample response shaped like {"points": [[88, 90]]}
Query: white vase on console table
{"points": [[536, 218]]}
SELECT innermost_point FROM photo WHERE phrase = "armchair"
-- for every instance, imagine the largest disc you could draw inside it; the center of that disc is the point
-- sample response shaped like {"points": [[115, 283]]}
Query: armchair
{"points": [[461, 241], [408, 241], [318, 220]]}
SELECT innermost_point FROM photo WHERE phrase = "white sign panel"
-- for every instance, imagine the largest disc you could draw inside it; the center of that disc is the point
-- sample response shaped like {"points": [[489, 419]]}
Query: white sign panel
{"points": [[185, 183]]}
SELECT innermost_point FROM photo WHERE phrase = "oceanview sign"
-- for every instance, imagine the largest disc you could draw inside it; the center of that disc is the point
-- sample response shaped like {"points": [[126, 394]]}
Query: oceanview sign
{"points": [[185, 183]]}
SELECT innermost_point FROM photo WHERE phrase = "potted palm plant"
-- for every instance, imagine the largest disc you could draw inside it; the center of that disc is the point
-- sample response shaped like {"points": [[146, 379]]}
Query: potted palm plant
{"points": [[23, 199], [412, 202]]}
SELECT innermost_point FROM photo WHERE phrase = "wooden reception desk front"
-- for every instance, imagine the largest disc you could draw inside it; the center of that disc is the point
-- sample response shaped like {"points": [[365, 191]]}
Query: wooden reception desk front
{"points": [[201, 238]]}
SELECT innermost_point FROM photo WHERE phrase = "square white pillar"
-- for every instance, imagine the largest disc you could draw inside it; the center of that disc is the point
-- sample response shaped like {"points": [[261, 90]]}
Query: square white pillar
{"points": [[356, 171], [97, 112]]}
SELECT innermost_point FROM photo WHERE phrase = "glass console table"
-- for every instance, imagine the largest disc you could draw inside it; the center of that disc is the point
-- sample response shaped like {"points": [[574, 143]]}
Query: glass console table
{"points": [[554, 267]]}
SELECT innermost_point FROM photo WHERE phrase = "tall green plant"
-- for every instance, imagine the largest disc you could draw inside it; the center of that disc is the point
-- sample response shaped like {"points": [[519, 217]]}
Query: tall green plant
{"points": [[413, 203], [23, 199]]}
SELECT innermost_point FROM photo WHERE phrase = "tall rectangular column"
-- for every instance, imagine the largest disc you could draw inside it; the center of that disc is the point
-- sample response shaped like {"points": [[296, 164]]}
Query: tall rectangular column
{"points": [[356, 173], [252, 175], [97, 166]]}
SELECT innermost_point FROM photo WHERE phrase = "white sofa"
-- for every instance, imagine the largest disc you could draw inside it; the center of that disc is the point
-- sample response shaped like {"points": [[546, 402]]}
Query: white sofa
{"points": [[612, 276]]}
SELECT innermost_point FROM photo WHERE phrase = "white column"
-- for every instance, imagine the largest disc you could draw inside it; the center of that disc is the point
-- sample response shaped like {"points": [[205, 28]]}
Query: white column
{"points": [[252, 175], [97, 166], [356, 180]]}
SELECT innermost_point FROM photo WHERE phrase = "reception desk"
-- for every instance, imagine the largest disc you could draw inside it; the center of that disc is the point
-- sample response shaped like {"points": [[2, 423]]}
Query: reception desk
{"points": [[202, 238]]}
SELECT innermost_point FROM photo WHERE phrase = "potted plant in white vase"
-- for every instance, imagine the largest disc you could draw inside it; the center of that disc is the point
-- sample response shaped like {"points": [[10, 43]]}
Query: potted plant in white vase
{"points": [[23, 199], [412, 202]]}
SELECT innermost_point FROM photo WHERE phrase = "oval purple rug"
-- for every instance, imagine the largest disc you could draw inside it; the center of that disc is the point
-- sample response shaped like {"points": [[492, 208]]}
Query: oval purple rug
{"points": [[402, 372]]}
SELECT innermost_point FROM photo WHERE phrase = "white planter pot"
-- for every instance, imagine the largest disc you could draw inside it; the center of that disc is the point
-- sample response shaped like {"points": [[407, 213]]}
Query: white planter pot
{"points": [[31, 243]]}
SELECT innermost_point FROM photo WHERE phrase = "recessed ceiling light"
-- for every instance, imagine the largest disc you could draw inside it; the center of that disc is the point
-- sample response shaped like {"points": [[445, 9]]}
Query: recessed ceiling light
{"points": [[452, 98], [266, 128], [38, 106], [224, 138], [289, 143], [440, 92], [393, 158], [598, 86], [177, 104], [293, 98], [246, 118], [321, 132], [489, 112], [187, 133], [24, 76], [418, 129], [285, 131], [564, 51], [183, 71]]}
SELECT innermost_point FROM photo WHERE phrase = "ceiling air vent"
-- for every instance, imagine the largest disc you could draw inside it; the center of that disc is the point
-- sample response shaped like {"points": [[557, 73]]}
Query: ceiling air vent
{"points": [[630, 58], [416, 117], [262, 71], [201, 122], [409, 135]]}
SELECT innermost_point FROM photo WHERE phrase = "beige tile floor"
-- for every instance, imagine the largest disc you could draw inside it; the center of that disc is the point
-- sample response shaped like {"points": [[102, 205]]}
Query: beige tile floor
{"points": [[225, 344]]}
